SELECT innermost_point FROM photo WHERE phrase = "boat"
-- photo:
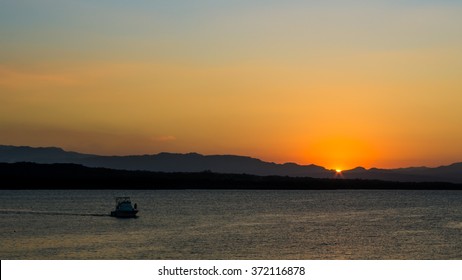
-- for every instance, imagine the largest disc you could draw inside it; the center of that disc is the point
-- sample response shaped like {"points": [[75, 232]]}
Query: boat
{"points": [[124, 208]]}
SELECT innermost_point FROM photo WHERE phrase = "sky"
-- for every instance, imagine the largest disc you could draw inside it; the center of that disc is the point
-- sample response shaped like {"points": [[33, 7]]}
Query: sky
{"points": [[334, 83]]}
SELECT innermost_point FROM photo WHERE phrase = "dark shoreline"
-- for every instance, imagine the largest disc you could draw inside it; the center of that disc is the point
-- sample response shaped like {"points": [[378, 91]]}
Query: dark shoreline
{"points": [[26, 175]]}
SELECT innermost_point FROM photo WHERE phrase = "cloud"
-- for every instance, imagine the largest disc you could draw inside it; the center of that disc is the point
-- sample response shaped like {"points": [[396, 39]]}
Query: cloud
{"points": [[20, 80]]}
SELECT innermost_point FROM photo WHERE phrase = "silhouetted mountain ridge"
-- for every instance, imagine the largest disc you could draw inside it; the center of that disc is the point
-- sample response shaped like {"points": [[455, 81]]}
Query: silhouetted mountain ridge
{"points": [[450, 173], [163, 162], [194, 162]]}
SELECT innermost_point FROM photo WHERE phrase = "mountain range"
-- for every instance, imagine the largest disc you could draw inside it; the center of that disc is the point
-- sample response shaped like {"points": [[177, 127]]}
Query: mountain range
{"points": [[193, 162]]}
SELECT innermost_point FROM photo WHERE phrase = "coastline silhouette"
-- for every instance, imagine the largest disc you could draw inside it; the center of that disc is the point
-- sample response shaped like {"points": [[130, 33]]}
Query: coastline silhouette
{"points": [[26, 175]]}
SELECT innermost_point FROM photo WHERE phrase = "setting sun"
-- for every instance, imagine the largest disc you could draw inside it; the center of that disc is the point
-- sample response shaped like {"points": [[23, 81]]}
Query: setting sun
{"points": [[338, 173]]}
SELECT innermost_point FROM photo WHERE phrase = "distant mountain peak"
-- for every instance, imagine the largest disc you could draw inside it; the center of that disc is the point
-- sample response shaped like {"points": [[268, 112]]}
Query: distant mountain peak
{"points": [[359, 168]]}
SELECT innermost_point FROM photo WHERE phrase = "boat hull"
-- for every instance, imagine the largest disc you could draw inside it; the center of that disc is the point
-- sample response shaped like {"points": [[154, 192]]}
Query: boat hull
{"points": [[124, 214]]}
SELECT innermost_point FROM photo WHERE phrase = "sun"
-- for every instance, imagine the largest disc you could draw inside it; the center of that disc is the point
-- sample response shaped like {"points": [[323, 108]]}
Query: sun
{"points": [[338, 173]]}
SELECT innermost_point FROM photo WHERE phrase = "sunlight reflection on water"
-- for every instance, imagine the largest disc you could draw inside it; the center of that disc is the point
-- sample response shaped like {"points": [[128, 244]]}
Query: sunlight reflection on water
{"points": [[233, 224]]}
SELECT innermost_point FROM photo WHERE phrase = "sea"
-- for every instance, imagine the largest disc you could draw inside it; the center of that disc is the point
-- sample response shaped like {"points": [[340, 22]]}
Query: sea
{"points": [[232, 224]]}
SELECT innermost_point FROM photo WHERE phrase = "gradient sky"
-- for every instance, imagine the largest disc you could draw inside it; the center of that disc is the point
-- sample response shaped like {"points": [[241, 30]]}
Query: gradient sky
{"points": [[334, 83]]}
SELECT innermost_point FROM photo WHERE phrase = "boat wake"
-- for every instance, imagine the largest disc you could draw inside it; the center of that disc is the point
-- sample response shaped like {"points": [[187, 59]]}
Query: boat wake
{"points": [[32, 212]]}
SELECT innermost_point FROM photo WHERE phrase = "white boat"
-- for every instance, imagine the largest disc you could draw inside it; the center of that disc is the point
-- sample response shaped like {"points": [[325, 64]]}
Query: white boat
{"points": [[124, 208]]}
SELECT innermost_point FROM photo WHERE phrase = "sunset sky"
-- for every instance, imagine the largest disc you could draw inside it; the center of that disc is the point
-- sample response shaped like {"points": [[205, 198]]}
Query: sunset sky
{"points": [[334, 83]]}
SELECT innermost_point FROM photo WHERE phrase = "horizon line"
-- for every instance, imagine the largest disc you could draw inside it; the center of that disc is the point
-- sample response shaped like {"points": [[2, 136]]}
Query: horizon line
{"points": [[236, 155]]}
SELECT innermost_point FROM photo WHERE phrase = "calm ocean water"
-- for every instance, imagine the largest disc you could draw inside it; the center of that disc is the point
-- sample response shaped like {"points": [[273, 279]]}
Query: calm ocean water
{"points": [[232, 224]]}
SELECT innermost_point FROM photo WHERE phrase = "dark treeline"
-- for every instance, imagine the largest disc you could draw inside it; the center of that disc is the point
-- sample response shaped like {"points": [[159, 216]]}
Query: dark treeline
{"points": [[26, 175]]}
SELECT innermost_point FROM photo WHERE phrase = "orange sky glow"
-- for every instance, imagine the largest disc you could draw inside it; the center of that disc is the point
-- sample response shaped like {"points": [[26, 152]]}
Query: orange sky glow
{"points": [[337, 84]]}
